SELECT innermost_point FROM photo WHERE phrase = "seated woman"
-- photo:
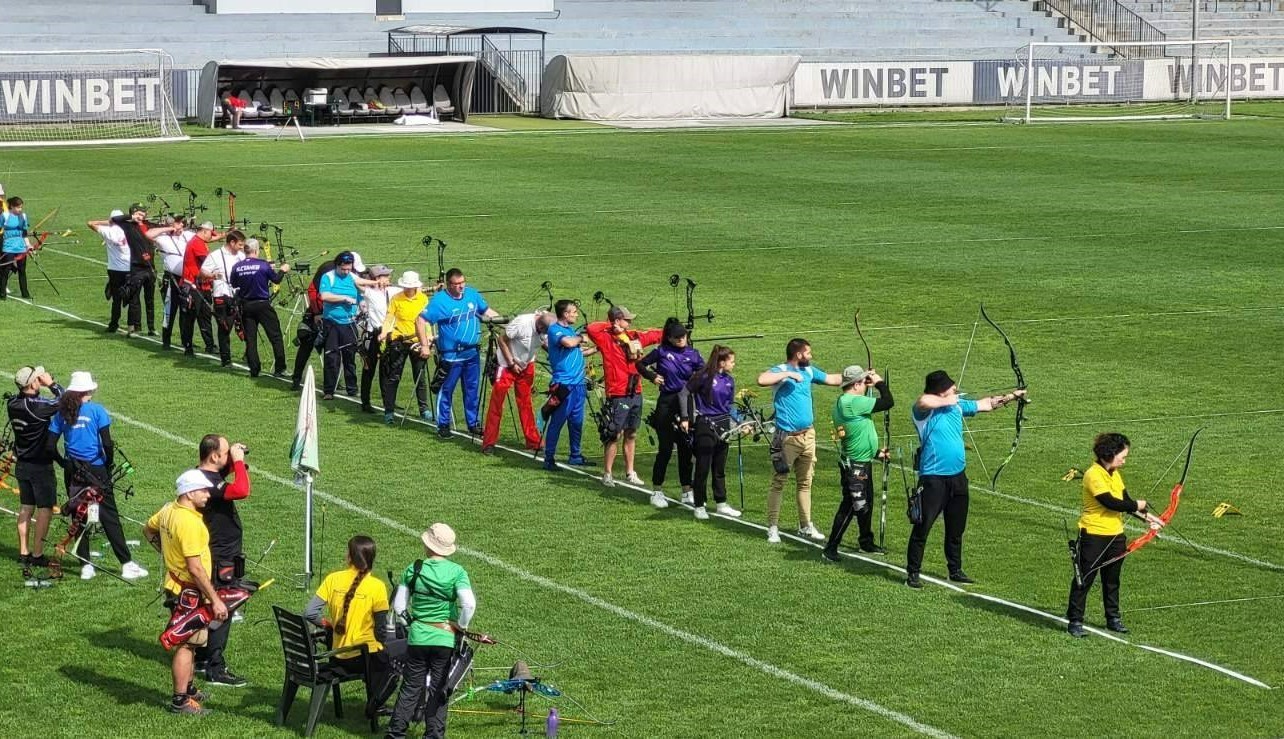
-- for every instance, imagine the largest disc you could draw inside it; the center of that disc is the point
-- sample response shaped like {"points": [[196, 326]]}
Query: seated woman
{"points": [[356, 612]]}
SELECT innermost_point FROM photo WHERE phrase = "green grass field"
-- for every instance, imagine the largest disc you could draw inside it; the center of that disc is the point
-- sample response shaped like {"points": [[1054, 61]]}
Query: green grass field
{"points": [[1135, 267]]}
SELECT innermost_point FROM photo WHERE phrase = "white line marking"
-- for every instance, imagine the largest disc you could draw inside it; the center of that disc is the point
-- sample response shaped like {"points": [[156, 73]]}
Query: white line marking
{"points": [[1205, 603]]}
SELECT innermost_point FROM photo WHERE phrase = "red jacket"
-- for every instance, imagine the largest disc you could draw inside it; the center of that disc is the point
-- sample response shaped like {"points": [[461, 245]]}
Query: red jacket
{"points": [[620, 369]]}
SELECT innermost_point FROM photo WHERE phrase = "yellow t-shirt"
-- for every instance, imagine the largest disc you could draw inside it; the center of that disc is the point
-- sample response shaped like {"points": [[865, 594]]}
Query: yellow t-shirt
{"points": [[402, 312], [183, 534], [371, 597], [1096, 519]]}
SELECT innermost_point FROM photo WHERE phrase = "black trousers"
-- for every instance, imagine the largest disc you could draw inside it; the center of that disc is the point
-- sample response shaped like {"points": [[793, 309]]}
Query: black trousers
{"points": [[426, 669], [669, 436], [340, 351], [169, 307], [858, 502], [224, 325], [108, 515], [145, 298], [1093, 551], [306, 341], [115, 279], [9, 263], [710, 460], [369, 350], [256, 313], [210, 656], [380, 682], [392, 365], [199, 315], [946, 495]]}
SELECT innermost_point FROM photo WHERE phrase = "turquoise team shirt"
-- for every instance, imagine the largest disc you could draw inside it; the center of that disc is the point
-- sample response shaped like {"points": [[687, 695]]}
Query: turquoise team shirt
{"points": [[80, 440], [458, 322], [940, 433], [341, 313], [792, 399], [567, 364], [15, 227]]}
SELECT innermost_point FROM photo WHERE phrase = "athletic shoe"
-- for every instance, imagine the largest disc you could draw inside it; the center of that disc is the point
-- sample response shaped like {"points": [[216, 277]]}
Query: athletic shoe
{"points": [[688, 497], [389, 417], [41, 561], [633, 479], [725, 510], [1076, 629], [427, 416], [608, 481], [488, 450], [829, 554], [811, 532], [551, 467], [227, 678], [443, 432], [151, 332], [659, 501], [87, 572], [1116, 626], [961, 576], [111, 329], [476, 430], [912, 580], [166, 345], [210, 350], [200, 696], [579, 462], [280, 374], [367, 408], [131, 570], [189, 707], [701, 514], [225, 363], [873, 549], [773, 535], [327, 396], [24, 559]]}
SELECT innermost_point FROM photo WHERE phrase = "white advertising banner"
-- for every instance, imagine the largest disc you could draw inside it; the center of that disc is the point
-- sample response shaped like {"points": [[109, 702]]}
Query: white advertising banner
{"points": [[1252, 77], [838, 84]]}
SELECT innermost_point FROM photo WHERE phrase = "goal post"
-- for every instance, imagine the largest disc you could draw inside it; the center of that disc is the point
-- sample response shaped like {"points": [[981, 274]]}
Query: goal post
{"points": [[1052, 82], [99, 96]]}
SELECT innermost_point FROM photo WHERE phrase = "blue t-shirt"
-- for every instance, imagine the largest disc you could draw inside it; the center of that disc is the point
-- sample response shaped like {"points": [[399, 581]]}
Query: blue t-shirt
{"points": [[457, 321], [940, 432], [15, 230], [80, 440], [567, 364], [341, 313], [792, 399]]}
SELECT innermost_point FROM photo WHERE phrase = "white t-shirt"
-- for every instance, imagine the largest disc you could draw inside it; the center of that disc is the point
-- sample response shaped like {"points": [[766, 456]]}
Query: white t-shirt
{"points": [[523, 340], [220, 263], [376, 306], [172, 247], [116, 246]]}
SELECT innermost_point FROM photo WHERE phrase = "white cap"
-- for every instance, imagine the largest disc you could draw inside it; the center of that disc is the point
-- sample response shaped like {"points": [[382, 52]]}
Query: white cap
{"points": [[206, 226], [114, 214], [191, 481], [409, 280], [81, 382], [357, 265]]}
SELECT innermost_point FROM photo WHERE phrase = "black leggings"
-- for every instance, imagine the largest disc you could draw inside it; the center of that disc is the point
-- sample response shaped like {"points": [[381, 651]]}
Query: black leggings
{"points": [[668, 435], [710, 459], [108, 516], [10, 263], [369, 351]]}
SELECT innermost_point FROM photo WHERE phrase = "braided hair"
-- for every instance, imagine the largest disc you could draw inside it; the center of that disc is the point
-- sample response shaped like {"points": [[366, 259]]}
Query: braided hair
{"points": [[361, 554]]}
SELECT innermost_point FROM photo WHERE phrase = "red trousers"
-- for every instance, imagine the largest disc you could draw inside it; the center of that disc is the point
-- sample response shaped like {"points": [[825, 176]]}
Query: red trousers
{"points": [[524, 383]]}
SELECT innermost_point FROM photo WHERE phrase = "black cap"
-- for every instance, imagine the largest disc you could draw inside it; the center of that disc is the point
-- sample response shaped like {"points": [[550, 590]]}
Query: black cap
{"points": [[345, 257], [137, 208], [674, 330], [937, 382]]}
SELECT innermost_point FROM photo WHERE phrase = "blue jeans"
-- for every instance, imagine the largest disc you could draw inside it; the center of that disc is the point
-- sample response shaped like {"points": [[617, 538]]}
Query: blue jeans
{"points": [[470, 371], [571, 409]]}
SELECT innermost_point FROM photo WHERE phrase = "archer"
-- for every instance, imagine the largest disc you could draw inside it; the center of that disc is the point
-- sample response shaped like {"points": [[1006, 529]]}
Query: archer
{"points": [[16, 246], [621, 348]]}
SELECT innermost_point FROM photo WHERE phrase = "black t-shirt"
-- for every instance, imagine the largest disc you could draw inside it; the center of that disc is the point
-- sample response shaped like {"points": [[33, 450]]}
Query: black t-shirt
{"points": [[30, 416], [221, 519]]}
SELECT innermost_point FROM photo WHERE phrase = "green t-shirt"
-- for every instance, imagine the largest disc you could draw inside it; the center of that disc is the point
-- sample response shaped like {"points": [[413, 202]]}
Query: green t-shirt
{"points": [[852, 414], [433, 600]]}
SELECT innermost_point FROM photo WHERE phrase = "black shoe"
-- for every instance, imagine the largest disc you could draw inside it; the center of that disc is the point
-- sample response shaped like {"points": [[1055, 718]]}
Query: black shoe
{"points": [[41, 561], [873, 549], [1076, 630], [327, 396], [443, 432], [367, 408], [111, 329], [225, 363], [1116, 625], [211, 350], [832, 556], [189, 352], [476, 430], [912, 580], [225, 677], [166, 345], [961, 576], [488, 450], [24, 559], [280, 374], [579, 462], [26, 296], [296, 386], [151, 332]]}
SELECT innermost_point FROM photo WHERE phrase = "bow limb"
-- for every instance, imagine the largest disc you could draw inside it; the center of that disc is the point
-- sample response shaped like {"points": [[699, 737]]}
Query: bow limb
{"points": [[1021, 401]]}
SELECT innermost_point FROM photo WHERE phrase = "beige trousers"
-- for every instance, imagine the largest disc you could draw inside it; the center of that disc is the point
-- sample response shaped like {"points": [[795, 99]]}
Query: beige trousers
{"points": [[800, 455]]}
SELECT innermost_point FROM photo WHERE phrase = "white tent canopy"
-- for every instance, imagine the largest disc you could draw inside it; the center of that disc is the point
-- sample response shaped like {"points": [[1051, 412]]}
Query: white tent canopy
{"points": [[646, 87]]}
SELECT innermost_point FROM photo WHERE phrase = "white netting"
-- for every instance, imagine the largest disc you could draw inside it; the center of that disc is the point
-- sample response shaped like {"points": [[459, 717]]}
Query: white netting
{"points": [[1050, 82], [74, 97]]}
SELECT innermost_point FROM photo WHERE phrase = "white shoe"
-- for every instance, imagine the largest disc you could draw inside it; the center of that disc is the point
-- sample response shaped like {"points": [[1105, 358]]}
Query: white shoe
{"points": [[87, 572], [773, 535], [608, 480], [725, 510], [688, 497], [132, 571], [701, 514], [810, 532], [658, 500], [633, 479]]}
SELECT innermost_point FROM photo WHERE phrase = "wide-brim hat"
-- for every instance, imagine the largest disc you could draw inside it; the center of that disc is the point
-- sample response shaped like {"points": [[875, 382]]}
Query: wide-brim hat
{"points": [[82, 382], [439, 539], [409, 280]]}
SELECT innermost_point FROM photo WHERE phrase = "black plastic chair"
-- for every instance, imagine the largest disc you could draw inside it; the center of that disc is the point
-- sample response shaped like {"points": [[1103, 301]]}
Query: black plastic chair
{"points": [[307, 667]]}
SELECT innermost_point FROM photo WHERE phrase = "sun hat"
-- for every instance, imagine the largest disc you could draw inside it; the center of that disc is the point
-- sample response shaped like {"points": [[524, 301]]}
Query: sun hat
{"points": [[81, 382], [853, 374], [409, 280], [439, 539]]}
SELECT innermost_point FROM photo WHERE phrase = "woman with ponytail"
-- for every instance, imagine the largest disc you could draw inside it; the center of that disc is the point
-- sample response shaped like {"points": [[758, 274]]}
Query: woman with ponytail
{"points": [[710, 397], [355, 607]]}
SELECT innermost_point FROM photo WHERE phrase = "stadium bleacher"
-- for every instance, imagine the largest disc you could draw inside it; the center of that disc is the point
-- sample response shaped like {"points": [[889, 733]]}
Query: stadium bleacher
{"points": [[1257, 26]]}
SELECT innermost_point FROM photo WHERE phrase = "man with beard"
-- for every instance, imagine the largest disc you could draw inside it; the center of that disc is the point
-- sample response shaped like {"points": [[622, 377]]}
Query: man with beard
{"points": [[142, 269]]}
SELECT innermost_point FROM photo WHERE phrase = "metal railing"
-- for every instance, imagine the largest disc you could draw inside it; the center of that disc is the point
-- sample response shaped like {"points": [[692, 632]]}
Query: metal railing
{"points": [[1110, 20], [507, 80], [505, 73]]}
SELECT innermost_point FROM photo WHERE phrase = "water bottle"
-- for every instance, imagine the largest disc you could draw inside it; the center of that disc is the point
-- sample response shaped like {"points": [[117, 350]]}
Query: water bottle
{"points": [[91, 513], [550, 727]]}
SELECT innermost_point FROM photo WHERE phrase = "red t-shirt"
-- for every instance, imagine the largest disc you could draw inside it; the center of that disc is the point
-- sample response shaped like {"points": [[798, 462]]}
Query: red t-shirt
{"points": [[193, 258], [616, 364]]}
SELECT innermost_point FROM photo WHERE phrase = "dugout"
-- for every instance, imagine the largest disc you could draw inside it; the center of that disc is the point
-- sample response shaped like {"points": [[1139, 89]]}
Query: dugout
{"points": [[657, 87], [447, 81]]}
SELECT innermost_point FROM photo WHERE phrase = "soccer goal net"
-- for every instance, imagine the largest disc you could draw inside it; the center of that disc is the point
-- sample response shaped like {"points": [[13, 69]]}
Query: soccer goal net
{"points": [[1119, 81], [83, 97]]}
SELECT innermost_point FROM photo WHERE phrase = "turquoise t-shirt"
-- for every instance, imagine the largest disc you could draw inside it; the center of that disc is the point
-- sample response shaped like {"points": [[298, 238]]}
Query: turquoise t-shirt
{"points": [[15, 229], [341, 313], [792, 399], [940, 432], [434, 599]]}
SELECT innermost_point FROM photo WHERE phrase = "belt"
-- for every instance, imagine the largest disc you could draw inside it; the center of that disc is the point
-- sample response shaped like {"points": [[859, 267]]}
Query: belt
{"points": [[796, 433], [444, 626]]}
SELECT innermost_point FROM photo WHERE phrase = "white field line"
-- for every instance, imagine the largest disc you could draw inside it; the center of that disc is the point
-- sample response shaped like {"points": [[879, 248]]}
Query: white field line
{"points": [[771, 670], [1205, 603], [936, 581]]}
